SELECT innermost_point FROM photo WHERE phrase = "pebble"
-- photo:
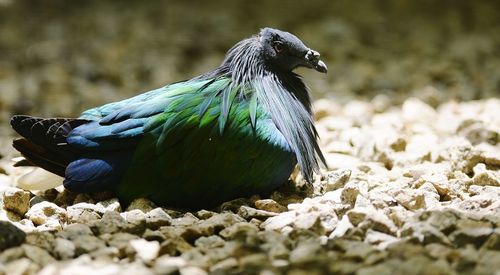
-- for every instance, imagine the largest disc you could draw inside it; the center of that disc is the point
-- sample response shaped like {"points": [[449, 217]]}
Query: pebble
{"points": [[10, 235], [269, 205], [146, 250], [45, 212], [16, 200], [385, 205], [157, 218]]}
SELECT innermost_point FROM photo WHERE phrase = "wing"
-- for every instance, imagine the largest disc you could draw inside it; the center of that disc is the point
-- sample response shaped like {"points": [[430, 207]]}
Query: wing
{"points": [[111, 137], [121, 124]]}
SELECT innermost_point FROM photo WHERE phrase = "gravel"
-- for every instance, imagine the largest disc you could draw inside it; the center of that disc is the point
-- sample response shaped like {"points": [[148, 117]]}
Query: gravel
{"points": [[416, 195]]}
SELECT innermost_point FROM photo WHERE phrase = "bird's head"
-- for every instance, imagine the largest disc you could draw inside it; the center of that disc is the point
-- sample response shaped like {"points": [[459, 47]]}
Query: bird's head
{"points": [[285, 52]]}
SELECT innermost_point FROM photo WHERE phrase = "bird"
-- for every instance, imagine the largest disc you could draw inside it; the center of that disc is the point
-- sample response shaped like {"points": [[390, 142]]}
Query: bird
{"points": [[235, 131]]}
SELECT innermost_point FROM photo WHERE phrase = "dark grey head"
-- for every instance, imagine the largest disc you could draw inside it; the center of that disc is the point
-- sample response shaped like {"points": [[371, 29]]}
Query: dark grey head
{"points": [[284, 51]]}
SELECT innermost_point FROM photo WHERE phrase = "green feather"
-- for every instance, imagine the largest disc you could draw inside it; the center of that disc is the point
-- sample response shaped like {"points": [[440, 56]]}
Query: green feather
{"points": [[228, 96], [252, 109]]}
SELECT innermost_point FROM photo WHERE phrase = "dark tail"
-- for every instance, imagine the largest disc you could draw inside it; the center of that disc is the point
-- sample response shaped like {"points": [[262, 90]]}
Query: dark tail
{"points": [[44, 141]]}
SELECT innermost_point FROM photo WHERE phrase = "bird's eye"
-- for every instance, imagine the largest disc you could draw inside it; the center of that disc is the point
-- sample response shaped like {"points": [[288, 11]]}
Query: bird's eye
{"points": [[278, 46]]}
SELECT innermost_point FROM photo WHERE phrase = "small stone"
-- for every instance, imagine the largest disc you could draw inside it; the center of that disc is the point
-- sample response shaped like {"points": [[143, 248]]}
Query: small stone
{"points": [[238, 230], [279, 222], [218, 222], [415, 110], [483, 177], [38, 255], [224, 266], [257, 260], [471, 232], [251, 213], [342, 228], [121, 241], [369, 217], [306, 252], [269, 205], [26, 225], [205, 214], [36, 199], [169, 265], [142, 204], [45, 211], [10, 235], [112, 204], [191, 270], [16, 200], [336, 179], [64, 249], [136, 221], [21, 266], [380, 239], [309, 221], [157, 218], [187, 220], [410, 199], [74, 231], [87, 244], [79, 211], [111, 222], [210, 242], [349, 194], [43, 240], [153, 235], [146, 251]]}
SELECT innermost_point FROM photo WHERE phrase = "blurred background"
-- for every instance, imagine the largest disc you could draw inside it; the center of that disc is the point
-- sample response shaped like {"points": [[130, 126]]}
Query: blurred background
{"points": [[58, 57]]}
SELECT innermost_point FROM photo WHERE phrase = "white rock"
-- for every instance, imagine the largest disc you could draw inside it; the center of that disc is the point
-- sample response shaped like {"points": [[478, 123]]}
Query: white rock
{"points": [[280, 221], [45, 212], [146, 250], [342, 227]]}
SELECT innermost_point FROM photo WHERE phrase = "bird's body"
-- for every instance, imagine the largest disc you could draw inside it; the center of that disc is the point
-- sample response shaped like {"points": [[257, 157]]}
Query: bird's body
{"points": [[235, 131]]}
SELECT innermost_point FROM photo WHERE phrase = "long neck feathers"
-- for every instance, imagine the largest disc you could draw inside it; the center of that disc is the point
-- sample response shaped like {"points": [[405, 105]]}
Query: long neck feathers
{"points": [[281, 94]]}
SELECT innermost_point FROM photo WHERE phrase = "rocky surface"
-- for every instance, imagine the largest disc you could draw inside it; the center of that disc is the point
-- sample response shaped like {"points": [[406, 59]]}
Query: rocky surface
{"points": [[410, 189]]}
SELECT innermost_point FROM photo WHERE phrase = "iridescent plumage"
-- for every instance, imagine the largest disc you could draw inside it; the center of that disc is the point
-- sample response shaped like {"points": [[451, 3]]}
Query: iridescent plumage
{"points": [[235, 131]]}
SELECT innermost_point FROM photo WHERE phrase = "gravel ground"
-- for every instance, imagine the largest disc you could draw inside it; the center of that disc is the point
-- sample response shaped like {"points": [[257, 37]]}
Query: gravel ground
{"points": [[411, 189]]}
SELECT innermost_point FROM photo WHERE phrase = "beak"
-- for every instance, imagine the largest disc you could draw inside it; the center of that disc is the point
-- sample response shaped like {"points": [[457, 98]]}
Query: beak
{"points": [[311, 60]]}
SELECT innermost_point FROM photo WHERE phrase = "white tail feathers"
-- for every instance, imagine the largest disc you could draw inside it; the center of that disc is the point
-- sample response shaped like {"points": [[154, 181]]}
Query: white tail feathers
{"points": [[39, 179]]}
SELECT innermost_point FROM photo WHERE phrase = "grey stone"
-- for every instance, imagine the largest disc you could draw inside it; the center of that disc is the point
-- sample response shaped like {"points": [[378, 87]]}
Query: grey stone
{"points": [[73, 231], [136, 221], [210, 242], [157, 217], [38, 255], [10, 235], [248, 213], [42, 239], [64, 249], [111, 222]]}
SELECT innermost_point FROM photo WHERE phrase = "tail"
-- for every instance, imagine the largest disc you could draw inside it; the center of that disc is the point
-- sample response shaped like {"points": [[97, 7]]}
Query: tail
{"points": [[44, 141]]}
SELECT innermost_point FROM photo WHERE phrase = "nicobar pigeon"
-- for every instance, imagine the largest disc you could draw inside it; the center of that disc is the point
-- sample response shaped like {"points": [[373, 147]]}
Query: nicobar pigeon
{"points": [[235, 131]]}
